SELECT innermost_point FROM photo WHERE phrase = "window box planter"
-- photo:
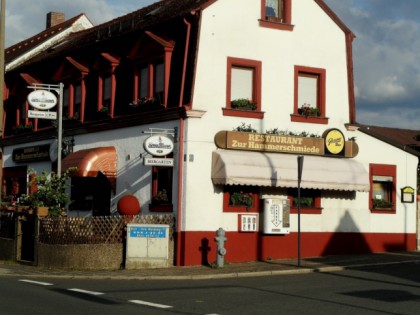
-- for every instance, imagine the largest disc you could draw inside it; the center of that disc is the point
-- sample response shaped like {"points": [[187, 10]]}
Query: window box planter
{"points": [[243, 104], [379, 204], [161, 207]]}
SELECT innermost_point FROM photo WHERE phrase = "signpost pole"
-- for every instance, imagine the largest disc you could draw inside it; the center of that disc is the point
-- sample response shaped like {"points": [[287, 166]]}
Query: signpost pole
{"points": [[42, 103], [60, 128], [300, 167]]}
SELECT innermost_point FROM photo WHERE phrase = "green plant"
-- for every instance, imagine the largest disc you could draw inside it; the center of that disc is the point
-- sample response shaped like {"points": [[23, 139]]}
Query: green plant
{"points": [[306, 202], [307, 110], [243, 103], [245, 128], [23, 128], [104, 109], [242, 199], [50, 191], [380, 203], [276, 131], [160, 197], [144, 101]]}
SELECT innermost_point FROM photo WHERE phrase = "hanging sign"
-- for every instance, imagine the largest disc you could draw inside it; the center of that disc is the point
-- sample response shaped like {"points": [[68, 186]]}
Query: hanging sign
{"points": [[42, 114], [159, 145], [158, 161], [334, 141], [42, 99]]}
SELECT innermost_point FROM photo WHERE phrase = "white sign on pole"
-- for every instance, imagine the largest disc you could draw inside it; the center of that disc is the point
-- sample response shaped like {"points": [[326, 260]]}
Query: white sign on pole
{"points": [[44, 115], [158, 162], [42, 99]]}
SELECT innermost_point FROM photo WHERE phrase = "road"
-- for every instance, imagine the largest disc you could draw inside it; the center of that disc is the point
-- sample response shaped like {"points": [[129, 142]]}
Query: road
{"points": [[393, 289]]}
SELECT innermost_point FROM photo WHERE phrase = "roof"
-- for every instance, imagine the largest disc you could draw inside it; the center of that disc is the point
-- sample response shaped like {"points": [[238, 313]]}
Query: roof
{"points": [[405, 139], [143, 19], [36, 46], [26, 45]]}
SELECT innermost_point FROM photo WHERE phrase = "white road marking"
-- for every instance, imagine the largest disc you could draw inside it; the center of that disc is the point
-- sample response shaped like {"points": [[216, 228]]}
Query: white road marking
{"points": [[86, 291], [150, 304], [35, 282]]}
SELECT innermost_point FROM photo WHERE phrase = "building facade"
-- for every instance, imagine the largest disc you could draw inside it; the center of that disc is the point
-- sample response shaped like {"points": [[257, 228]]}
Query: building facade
{"points": [[203, 110]]}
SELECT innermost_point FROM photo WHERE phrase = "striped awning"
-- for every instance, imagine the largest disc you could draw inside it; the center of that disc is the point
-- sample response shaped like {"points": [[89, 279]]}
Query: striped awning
{"points": [[231, 167]]}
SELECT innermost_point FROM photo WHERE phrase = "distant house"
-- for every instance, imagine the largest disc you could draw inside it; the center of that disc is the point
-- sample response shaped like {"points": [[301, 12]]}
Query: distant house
{"points": [[57, 29], [203, 110]]}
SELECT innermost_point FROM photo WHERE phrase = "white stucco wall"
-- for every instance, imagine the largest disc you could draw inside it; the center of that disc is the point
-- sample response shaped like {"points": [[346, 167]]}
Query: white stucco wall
{"points": [[132, 176]]}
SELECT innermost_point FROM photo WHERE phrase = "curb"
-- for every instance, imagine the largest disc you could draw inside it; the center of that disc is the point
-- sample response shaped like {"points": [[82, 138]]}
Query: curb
{"points": [[15, 272], [228, 275]]}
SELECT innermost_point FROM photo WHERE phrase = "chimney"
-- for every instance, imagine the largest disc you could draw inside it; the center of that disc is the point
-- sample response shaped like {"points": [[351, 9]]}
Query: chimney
{"points": [[55, 18]]}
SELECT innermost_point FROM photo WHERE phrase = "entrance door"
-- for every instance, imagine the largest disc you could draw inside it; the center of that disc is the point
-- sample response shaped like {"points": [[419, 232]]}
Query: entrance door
{"points": [[26, 240]]}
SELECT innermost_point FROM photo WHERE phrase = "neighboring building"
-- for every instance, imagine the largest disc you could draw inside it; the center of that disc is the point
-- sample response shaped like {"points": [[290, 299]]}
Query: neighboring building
{"points": [[57, 29], [182, 75]]}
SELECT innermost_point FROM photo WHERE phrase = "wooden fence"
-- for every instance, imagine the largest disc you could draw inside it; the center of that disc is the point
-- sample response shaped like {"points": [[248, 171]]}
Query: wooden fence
{"points": [[95, 230]]}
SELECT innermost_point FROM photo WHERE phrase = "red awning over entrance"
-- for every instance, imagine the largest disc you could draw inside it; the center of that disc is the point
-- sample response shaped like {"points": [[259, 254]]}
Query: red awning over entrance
{"points": [[90, 162]]}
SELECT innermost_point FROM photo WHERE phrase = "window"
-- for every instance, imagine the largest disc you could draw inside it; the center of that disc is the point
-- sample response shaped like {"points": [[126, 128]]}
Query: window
{"points": [[24, 123], [150, 83], [73, 74], [309, 103], [243, 91], [106, 67], [143, 87], [274, 9], [159, 82], [14, 183], [310, 201], [241, 199], [382, 188], [161, 189], [77, 100], [72, 100], [276, 14], [106, 91], [153, 53]]}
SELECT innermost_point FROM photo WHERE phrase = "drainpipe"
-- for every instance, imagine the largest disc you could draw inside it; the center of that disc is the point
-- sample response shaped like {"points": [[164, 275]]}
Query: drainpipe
{"points": [[2, 36], [180, 243], [184, 68]]}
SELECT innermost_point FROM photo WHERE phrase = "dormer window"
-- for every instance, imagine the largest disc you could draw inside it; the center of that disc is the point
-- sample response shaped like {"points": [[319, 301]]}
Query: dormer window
{"points": [[72, 100], [150, 80], [107, 83], [73, 74], [106, 91], [151, 69], [276, 14]]}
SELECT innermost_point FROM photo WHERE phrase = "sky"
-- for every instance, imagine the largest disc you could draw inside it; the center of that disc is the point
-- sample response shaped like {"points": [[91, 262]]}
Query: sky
{"points": [[386, 51]]}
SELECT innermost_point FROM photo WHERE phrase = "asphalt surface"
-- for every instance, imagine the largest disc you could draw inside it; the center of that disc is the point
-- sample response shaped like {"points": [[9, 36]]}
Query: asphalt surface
{"points": [[250, 269]]}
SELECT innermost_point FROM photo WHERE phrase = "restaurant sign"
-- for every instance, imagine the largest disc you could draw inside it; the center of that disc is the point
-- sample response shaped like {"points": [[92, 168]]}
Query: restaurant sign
{"points": [[235, 140], [42, 100], [159, 145], [31, 154]]}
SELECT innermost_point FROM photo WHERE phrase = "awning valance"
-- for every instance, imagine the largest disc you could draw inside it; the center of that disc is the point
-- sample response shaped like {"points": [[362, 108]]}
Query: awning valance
{"points": [[91, 161], [280, 170]]}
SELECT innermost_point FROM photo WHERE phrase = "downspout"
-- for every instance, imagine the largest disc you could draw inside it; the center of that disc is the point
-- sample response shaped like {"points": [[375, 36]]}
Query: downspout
{"points": [[350, 77], [180, 243]]}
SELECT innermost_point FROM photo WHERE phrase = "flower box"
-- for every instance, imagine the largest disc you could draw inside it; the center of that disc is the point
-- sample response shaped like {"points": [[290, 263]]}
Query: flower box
{"points": [[42, 211]]}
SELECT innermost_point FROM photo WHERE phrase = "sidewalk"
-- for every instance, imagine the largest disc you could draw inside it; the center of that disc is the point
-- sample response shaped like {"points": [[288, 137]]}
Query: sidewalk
{"points": [[251, 269]]}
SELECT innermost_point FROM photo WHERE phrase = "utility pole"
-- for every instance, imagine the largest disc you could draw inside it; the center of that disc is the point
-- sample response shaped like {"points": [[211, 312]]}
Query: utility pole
{"points": [[2, 64]]}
